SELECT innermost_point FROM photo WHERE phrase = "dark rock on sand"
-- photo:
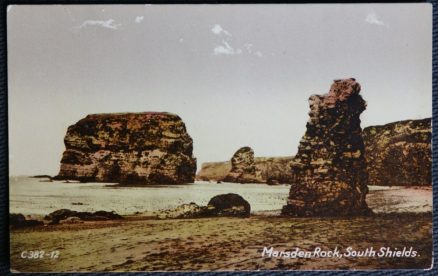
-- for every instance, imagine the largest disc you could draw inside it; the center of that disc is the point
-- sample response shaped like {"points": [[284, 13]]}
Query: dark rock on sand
{"points": [[329, 170], [42, 176], [225, 205], [272, 182], [63, 214], [18, 221], [399, 153], [191, 210], [129, 148], [230, 205]]}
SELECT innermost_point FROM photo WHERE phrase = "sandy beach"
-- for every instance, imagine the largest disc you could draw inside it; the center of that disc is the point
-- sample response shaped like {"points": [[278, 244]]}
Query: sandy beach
{"points": [[141, 242], [137, 244]]}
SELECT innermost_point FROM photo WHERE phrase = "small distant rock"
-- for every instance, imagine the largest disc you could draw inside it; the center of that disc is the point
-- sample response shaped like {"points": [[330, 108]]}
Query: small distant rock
{"points": [[42, 176], [18, 221], [273, 182], [243, 169]]}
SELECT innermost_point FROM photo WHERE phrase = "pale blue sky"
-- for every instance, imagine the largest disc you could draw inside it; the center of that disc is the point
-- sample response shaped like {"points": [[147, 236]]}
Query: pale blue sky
{"points": [[238, 75]]}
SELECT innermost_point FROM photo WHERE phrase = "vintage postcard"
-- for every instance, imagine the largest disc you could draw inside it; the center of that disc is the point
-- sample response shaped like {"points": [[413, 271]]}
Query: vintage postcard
{"points": [[219, 137]]}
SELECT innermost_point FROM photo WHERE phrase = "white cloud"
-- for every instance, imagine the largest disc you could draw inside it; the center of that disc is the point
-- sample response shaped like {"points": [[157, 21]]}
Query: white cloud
{"points": [[372, 19], [249, 50], [218, 30], [226, 49], [108, 24], [248, 47], [138, 19]]}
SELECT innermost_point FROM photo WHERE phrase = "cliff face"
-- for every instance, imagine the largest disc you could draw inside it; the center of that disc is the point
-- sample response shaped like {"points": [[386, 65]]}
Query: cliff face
{"points": [[329, 170], [257, 170], [399, 153], [214, 171], [129, 148], [274, 169]]}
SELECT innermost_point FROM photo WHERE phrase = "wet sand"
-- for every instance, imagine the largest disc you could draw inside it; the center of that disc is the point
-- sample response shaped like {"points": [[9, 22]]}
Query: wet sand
{"points": [[138, 244]]}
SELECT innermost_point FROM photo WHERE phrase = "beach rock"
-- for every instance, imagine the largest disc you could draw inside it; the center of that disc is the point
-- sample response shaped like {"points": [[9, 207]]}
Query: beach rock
{"points": [[71, 220], [129, 148], [191, 210], [18, 221], [225, 205], [63, 214], [229, 205], [329, 170], [42, 176], [245, 168], [399, 153]]}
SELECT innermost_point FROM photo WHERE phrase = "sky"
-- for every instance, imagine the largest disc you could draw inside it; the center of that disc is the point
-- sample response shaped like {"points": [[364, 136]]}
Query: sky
{"points": [[238, 75]]}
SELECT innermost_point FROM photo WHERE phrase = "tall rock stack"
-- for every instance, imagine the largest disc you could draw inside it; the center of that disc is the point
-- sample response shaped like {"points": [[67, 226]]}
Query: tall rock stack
{"points": [[243, 169], [329, 170], [129, 148]]}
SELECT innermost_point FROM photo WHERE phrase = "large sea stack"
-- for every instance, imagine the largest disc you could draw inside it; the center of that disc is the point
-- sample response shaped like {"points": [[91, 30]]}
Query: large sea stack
{"points": [[129, 148], [329, 170], [399, 153]]}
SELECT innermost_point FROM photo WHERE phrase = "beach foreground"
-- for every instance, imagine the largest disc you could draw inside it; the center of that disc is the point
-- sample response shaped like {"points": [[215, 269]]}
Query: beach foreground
{"points": [[145, 244]]}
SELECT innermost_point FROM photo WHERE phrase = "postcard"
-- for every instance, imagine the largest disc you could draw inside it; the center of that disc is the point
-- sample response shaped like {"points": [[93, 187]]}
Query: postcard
{"points": [[220, 137]]}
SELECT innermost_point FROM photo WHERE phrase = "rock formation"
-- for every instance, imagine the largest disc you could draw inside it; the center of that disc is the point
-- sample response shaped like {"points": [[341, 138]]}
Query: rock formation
{"points": [[274, 169], [329, 170], [230, 205], [245, 168], [64, 214], [399, 153], [224, 205], [19, 220], [129, 148]]}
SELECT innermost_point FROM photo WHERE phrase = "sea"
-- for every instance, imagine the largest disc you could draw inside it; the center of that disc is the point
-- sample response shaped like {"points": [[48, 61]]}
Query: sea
{"points": [[40, 196]]}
